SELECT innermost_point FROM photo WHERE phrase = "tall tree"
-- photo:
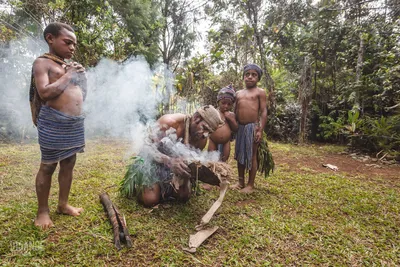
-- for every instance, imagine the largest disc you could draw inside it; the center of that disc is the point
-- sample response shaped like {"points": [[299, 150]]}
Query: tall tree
{"points": [[254, 11], [177, 21], [305, 93], [140, 19]]}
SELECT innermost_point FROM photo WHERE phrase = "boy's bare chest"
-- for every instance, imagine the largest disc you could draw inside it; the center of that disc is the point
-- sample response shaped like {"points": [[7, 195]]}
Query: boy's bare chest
{"points": [[56, 71], [247, 97]]}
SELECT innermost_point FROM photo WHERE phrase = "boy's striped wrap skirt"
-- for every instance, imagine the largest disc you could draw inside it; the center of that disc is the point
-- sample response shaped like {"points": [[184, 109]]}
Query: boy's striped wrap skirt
{"points": [[244, 144], [60, 135]]}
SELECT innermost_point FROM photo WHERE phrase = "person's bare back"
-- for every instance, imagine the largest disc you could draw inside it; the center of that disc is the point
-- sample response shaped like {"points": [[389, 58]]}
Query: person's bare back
{"points": [[177, 122]]}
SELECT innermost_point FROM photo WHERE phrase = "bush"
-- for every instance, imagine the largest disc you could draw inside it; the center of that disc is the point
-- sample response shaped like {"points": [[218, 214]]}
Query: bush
{"points": [[285, 125], [367, 134], [381, 134]]}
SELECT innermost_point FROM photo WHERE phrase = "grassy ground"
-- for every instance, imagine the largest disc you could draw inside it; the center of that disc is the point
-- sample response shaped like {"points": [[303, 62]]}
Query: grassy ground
{"points": [[299, 216]]}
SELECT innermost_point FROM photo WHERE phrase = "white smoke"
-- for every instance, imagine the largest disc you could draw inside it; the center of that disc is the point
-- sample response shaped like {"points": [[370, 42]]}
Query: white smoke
{"points": [[122, 98], [176, 148], [173, 146], [16, 60]]}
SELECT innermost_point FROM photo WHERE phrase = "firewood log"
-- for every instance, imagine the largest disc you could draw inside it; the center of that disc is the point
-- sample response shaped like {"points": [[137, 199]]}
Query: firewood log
{"points": [[118, 223]]}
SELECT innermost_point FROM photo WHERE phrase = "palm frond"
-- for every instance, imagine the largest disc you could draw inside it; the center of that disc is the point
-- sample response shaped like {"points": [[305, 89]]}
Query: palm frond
{"points": [[265, 161]]}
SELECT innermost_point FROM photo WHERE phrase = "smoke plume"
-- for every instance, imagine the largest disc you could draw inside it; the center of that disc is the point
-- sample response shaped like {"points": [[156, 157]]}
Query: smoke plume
{"points": [[122, 98]]}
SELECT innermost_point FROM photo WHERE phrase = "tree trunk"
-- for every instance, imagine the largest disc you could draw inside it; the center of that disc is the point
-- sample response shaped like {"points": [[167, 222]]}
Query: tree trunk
{"points": [[360, 62], [252, 14], [305, 93]]}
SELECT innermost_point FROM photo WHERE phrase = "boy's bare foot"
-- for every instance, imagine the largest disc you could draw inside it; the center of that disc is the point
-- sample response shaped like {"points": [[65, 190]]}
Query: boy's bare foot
{"points": [[43, 220], [247, 190], [239, 185], [69, 210]]}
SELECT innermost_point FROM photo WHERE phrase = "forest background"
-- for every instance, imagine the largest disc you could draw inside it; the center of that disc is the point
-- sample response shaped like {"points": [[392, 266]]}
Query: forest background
{"points": [[332, 68]]}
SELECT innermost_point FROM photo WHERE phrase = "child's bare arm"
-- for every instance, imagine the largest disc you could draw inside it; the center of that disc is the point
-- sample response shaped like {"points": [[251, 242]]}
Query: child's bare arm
{"points": [[235, 106], [263, 115], [263, 108], [231, 119], [49, 90], [211, 145], [46, 89]]}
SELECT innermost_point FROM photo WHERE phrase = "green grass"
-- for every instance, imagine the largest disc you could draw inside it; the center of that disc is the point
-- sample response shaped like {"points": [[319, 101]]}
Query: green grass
{"points": [[308, 149], [293, 218]]}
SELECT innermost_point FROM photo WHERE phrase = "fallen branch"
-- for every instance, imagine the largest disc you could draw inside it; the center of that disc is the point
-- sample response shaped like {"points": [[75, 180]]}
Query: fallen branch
{"points": [[118, 224], [197, 239], [210, 213], [384, 156], [377, 155], [392, 107], [213, 173]]}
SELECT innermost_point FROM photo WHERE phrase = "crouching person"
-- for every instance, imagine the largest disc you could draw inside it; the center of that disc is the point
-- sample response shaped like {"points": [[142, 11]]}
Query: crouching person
{"points": [[167, 176]]}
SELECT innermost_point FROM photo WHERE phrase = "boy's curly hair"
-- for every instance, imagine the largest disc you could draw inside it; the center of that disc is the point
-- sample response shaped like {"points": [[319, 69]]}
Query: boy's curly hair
{"points": [[54, 28]]}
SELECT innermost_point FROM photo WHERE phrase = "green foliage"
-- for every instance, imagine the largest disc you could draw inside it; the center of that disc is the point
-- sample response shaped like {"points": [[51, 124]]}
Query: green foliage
{"points": [[351, 128], [286, 84], [197, 83], [265, 161], [367, 134], [285, 124], [383, 134], [6, 34], [140, 19], [138, 174], [331, 129], [176, 32], [114, 29]]}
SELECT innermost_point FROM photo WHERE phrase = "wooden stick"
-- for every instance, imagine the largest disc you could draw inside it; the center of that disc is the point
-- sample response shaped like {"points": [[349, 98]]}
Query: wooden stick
{"points": [[123, 228], [108, 206], [210, 213], [117, 221]]}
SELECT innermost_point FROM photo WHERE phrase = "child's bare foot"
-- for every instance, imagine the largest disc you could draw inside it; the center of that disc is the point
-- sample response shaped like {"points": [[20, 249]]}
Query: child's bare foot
{"points": [[43, 220], [69, 210], [247, 190], [239, 185]]}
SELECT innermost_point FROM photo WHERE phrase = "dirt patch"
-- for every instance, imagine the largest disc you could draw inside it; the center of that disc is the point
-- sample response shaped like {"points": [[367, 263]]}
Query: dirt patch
{"points": [[345, 163]]}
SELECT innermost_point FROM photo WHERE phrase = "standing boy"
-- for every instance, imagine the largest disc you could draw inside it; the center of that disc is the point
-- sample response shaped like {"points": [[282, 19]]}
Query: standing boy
{"points": [[220, 139], [251, 113], [56, 94]]}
